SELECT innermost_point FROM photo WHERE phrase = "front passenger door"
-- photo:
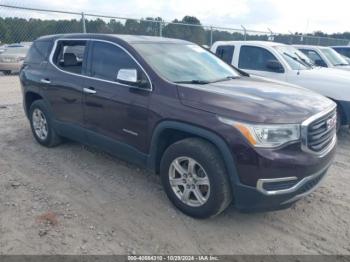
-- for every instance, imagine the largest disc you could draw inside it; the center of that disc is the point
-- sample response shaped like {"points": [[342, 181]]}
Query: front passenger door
{"points": [[115, 112], [259, 61]]}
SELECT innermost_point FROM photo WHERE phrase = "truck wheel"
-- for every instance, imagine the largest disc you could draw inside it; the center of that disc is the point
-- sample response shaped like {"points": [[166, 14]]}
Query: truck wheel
{"points": [[194, 177], [7, 72], [41, 124]]}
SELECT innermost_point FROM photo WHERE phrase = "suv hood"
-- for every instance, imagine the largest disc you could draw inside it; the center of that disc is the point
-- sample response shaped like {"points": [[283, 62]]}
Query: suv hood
{"points": [[254, 99]]}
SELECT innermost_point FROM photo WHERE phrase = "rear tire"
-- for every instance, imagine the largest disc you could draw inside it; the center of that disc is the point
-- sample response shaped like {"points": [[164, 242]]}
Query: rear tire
{"points": [[41, 125], [194, 178]]}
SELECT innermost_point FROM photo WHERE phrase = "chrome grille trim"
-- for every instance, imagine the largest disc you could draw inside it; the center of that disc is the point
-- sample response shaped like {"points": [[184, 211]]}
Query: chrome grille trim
{"points": [[330, 134]]}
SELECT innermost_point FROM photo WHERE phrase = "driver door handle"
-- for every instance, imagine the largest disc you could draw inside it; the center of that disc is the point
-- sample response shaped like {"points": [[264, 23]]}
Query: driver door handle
{"points": [[89, 90], [45, 81]]}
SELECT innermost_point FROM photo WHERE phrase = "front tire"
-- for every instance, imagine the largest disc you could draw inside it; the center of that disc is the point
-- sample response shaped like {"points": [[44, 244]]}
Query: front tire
{"points": [[194, 177], [41, 125]]}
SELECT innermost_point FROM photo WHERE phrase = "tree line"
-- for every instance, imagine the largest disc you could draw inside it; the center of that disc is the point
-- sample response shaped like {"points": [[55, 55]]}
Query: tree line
{"points": [[14, 30]]}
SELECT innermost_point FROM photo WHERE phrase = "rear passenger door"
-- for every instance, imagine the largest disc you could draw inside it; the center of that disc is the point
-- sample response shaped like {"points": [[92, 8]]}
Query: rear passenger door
{"points": [[64, 82], [115, 113], [34, 66], [254, 60]]}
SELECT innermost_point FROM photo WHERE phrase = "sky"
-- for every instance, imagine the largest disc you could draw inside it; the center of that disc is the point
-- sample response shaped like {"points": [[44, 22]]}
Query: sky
{"points": [[283, 16]]}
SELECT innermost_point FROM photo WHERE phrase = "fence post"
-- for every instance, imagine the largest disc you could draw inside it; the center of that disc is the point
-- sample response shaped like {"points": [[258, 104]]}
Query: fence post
{"points": [[211, 36], [161, 28], [245, 32], [83, 22]]}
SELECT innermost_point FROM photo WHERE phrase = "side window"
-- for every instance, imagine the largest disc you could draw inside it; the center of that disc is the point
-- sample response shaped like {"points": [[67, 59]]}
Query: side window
{"points": [[346, 51], [69, 55], [38, 52], [107, 59], [255, 58], [225, 52], [314, 56]]}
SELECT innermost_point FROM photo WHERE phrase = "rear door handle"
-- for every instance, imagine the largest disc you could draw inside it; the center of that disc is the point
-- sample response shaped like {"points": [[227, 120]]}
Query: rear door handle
{"points": [[45, 81], [89, 90]]}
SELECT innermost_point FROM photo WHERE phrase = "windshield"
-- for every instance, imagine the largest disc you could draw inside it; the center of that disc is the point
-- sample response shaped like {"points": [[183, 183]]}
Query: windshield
{"points": [[334, 57], [296, 59], [185, 63]]}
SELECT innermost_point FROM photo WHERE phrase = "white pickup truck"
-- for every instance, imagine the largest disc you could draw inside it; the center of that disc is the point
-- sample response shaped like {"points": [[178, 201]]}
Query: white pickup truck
{"points": [[324, 56], [286, 63]]}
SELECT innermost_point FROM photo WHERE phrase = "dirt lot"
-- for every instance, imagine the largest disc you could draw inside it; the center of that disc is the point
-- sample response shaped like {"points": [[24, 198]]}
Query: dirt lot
{"points": [[77, 200]]}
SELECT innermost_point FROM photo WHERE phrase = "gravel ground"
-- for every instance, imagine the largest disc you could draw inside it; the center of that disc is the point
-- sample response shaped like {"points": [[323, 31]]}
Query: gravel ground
{"points": [[75, 199]]}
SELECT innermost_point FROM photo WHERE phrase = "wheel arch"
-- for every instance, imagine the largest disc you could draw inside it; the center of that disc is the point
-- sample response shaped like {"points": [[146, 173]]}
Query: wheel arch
{"points": [[344, 109], [160, 141], [29, 98]]}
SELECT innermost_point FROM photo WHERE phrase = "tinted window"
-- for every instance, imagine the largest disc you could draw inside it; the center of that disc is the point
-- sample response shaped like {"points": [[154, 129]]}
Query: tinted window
{"points": [[69, 55], [107, 59], [225, 52], [343, 50], [255, 58]]}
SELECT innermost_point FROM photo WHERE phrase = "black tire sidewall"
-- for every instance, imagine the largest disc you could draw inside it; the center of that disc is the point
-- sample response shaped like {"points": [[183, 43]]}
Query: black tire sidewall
{"points": [[216, 173], [41, 106]]}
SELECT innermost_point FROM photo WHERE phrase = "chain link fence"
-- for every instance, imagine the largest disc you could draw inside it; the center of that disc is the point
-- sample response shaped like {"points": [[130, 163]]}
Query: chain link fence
{"points": [[19, 23]]}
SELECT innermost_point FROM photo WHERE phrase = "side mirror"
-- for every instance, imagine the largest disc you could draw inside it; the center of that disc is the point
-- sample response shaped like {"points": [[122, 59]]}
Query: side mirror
{"points": [[320, 62], [275, 66], [127, 76]]}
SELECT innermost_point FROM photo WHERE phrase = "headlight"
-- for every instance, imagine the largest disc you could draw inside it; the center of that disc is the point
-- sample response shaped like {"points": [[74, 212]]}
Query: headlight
{"points": [[269, 136]]}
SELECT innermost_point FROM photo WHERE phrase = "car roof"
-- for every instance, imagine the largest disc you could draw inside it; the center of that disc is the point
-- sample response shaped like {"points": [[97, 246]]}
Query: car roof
{"points": [[306, 46], [340, 46], [131, 39], [262, 43], [311, 46]]}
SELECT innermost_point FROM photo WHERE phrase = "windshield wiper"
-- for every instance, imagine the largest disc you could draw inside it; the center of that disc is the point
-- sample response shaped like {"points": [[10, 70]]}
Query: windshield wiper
{"points": [[341, 64], [196, 82], [305, 61], [296, 59], [224, 79]]}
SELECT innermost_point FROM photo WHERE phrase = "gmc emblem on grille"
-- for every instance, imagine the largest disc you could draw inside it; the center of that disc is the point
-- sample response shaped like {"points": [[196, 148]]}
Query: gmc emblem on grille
{"points": [[331, 122]]}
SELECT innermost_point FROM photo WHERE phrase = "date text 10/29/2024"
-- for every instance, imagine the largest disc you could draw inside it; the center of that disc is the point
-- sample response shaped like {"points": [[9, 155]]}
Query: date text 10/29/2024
{"points": [[173, 258]]}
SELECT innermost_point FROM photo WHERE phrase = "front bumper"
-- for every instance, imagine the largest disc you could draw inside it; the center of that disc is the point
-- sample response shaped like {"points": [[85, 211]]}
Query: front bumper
{"points": [[259, 199]]}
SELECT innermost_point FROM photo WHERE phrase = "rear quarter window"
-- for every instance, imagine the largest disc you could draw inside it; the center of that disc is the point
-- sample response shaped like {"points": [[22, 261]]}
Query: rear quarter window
{"points": [[225, 52], [38, 52]]}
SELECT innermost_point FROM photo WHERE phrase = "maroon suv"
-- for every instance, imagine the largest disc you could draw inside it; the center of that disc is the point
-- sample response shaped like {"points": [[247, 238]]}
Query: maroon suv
{"points": [[214, 134]]}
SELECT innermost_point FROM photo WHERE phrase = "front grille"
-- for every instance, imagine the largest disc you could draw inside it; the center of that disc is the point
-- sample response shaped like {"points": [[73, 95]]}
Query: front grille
{"points": [[320, 132], [280, 185]]}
